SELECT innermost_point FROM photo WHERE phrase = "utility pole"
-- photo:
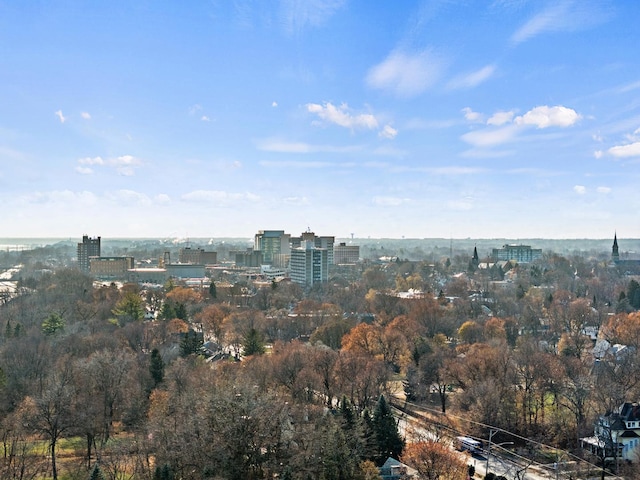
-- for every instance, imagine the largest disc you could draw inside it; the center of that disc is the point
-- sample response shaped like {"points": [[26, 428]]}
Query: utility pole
{"points": [[491, 432]]}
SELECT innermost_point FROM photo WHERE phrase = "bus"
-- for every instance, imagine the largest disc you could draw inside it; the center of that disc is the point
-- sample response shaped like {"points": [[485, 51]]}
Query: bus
{"points": [[469, 444]]}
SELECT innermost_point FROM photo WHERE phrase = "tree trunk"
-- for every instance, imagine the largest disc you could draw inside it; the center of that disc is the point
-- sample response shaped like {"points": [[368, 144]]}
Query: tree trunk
{"points": [[54, 469]]}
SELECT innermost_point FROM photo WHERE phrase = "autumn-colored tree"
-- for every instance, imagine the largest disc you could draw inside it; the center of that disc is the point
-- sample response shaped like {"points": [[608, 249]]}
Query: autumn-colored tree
{"points": [[435, 461], [212, 319], [470, 332], [494, 329], [362, 339]]}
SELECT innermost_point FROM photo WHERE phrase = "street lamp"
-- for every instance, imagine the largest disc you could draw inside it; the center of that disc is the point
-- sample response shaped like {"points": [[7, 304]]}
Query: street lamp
{"points": [[491, 432]]}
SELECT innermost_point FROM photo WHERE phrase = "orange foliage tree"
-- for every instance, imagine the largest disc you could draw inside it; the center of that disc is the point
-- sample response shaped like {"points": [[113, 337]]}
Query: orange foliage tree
{"points": [[435, 461]]}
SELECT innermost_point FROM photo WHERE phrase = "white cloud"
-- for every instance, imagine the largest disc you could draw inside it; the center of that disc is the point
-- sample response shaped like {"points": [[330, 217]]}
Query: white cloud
{"points": [[463, 205], [500, 118], [274, 104], [580, 189], [341, 116], [296, 201], [204, 118], [388, 132], [625, 151], [472, 116], [91, 161], [489, 137], [563, 15], [472, 79], [283, 146], [404, 74], [61, 197], [603, 190], [193, 109], [86, 115], [545, 116], [389, 201], [296, 15], [84, 170], [219, 197], [295, 164], [598, 154], [60, 116], [162, 198], [130, 198]]}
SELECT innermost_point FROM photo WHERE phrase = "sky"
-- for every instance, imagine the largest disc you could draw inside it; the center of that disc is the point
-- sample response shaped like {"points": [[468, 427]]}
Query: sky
{"points": [[415, 119]]}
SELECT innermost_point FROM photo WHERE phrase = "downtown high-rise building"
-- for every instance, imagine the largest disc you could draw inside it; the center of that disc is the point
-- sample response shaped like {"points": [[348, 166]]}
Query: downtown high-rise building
{"points": [[89, 247]]}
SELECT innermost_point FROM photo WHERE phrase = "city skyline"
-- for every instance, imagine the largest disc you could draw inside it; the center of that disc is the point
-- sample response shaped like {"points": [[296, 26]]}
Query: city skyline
{"points": [[416, 119]]}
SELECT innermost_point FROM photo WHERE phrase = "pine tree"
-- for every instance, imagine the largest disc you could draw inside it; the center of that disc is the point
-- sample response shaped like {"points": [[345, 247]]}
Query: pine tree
{"points": [[96, 473], [213, 292], [191, 343], [156, 367], [253, 343], [389, 442]]}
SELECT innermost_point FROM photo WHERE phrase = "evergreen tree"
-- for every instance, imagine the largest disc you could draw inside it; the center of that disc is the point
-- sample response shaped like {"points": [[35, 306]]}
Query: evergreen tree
{"points": [[633, 294], [96, 473], [167, 312], [156, 367], [181, 311], [52, 325], [213, 292], [129, 308], [191, 343], [253, 343], [163, 473], [8, 330], [389, 441]]}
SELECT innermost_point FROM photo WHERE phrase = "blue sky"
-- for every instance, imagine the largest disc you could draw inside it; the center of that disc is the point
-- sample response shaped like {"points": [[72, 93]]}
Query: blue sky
{"points": [[483, 119]]}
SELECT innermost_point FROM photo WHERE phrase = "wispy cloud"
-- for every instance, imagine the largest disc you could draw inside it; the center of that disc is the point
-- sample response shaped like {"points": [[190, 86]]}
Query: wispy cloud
{"points": [[218, 197], [503, 128], [472, 79], [580, 189], [342, 116], [500, 118], [472, 116], [563, 16], [297, 15], [490, 137], [388, 132], [283, 146], [60, 116], [124, 165], [406, 74], [384, 201], [85, 115], [603, 190]]}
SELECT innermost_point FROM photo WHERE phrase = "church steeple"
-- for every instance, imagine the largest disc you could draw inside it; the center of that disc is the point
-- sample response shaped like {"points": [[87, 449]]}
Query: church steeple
{"points": [[615, 256], [475, 258]]}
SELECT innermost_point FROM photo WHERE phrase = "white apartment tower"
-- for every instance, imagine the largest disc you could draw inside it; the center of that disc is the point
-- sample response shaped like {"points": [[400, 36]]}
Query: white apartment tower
{"points": [[309, 264]]}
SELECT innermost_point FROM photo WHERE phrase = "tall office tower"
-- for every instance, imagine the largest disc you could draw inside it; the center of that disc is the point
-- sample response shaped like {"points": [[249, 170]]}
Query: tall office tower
{"points": [[272, 244], [90, 247], [309, 265], [320, 242]]}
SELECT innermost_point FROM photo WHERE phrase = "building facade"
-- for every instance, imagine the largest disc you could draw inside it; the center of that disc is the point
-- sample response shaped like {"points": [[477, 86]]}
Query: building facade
{"points": [[272, 243], [247, 258], [110, 267], [519, 253], [345, 254], [325, 242], [309, 265], [197, 256], [89, 247]]}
